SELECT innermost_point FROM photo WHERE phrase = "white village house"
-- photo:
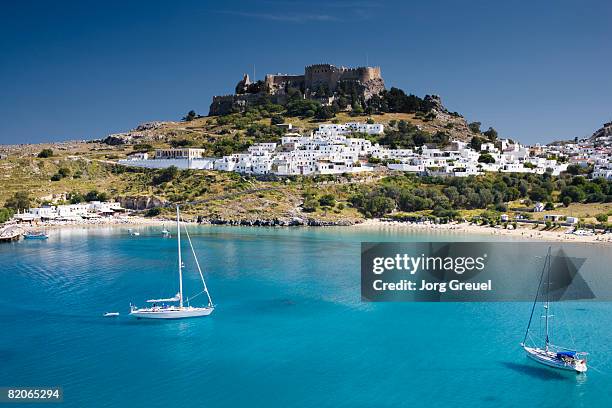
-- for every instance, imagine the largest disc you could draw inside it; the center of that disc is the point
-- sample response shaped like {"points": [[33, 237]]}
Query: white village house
{"points": [[331, 149]]}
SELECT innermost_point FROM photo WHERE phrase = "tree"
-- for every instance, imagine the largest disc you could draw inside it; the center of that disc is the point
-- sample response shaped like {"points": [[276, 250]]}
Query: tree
{"points": [[191, 115], [44, 153], [19, 201], [302, 107], [574, 193], [486, 158], [6, 214], [538, 194], [378, 206], [475, 127], [491, 134], [325, 112], [602, 218], [357, 110], [153, 212], [277, 120], [63, 172], [328, 200], [566, 201], [165, 175], [76, 198], [94, 195], [476, 143], [573, 169]]}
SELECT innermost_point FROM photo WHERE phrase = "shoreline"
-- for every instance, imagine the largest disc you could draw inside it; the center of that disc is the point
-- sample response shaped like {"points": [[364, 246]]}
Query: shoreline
{"points": [[468, 228], [465, 228]]}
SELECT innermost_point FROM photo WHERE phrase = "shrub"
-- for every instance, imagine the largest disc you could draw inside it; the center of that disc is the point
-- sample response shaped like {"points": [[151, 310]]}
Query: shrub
{"points": [[153, 212], [19, 201], [486, 158], [6, 214], [165, 175], [475, 127], [63, 172], [191, 115], [328, 200], [277, 120], [44, 153]]}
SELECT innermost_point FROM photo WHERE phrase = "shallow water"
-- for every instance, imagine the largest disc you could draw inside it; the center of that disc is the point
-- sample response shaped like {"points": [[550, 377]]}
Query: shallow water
{"points": [[289, 328]]}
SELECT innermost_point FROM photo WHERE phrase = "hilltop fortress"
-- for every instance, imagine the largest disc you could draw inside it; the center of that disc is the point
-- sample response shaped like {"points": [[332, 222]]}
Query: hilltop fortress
{"points": [[320, 82]]}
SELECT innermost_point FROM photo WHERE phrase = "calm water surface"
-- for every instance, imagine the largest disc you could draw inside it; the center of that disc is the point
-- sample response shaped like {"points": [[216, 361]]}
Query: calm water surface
{"points": [[289, 329]]}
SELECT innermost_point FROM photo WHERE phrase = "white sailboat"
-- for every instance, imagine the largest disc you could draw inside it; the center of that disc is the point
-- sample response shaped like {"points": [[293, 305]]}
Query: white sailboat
{"points": [[552, 355], [177, 309]]}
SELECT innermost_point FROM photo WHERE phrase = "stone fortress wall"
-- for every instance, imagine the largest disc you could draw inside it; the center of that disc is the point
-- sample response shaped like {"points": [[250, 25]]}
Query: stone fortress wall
{"points": [[369, 80]]}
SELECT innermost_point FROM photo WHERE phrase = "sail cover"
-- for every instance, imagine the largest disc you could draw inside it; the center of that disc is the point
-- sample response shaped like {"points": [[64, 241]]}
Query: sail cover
{"points": [[566, 354], [172, 299]]}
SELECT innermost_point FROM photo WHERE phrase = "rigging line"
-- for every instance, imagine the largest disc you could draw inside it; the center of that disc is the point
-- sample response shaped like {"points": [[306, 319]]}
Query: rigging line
{"points": [[536, 300], [569, 328], [197, 264], [196, 295]]}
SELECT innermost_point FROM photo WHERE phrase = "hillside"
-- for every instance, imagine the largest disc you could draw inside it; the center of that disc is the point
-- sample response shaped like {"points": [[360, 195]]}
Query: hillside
{"points": [[76, 168], [233, 133]]}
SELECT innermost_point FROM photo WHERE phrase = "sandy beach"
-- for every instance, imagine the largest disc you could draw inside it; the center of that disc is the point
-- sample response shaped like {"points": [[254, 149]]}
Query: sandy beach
{"points": [[522, 232]]}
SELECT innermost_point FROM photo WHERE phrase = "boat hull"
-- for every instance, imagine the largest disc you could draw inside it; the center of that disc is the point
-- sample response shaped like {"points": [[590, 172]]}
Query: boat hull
{"points": [[550, 359], [171, 313]]}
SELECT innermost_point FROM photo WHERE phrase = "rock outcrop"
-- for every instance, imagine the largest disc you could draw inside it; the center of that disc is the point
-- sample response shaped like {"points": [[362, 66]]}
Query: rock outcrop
{"points": [[144, 132], [604, 131], [140, 202], [436, 103], [276, 222]]}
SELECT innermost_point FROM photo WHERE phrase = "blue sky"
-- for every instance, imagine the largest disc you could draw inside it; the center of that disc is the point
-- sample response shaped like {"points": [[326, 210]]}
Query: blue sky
{"points": [[536, 71]]}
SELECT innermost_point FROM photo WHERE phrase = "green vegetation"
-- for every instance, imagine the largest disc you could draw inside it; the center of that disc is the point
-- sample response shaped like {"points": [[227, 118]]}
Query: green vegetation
{"points": [[486, 158], [444, 196], [474, 127], [153, 212], [62, 172], [6, 214], [165, 175], [44, 153], [19, 201], [191, 115], [328, 200]]}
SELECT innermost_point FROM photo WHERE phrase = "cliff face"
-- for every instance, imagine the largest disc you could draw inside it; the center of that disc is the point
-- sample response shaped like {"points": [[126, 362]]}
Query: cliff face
{"points": [[139, 202]]}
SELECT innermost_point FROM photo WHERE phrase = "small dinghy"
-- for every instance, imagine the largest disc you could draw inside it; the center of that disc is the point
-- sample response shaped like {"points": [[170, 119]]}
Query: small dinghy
{"points": [[35, 235], [111, 314]]}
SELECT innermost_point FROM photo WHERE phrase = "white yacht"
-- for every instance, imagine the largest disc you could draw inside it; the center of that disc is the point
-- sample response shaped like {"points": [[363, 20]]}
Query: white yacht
{"points": [[174, 307], [552, 355]]}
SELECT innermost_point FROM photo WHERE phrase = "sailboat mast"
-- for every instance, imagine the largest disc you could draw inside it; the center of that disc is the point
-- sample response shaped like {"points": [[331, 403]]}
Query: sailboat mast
{"points": [[547, 297], [180, 261], [535, 301]]}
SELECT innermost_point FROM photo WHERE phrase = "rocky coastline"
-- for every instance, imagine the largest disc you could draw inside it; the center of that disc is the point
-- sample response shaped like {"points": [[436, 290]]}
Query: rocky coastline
{"points": [[277, 222]]}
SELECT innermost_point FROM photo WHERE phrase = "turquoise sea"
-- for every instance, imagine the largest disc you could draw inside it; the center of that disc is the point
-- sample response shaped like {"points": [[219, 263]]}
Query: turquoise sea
{"points": [[289, 330]]}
